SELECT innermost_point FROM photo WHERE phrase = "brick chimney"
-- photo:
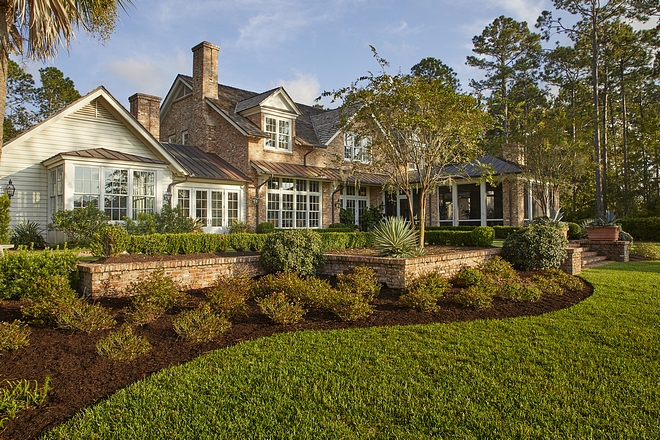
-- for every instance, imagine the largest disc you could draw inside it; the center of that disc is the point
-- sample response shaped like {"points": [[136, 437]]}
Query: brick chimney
{"points": [[514, 153], [205, 70], [146, 109]]}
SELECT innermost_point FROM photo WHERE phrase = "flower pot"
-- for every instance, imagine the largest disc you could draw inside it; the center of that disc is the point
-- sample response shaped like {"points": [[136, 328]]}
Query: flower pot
{"points": [[603, 233]]}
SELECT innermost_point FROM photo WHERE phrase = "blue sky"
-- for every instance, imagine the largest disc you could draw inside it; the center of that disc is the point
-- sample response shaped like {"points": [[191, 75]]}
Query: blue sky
{"points": [[307, 46]]}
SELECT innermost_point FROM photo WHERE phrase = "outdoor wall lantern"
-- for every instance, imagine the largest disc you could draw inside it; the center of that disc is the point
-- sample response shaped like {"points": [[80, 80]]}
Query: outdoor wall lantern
{"points": [[167, 197], [10, 190], [255, 201]]}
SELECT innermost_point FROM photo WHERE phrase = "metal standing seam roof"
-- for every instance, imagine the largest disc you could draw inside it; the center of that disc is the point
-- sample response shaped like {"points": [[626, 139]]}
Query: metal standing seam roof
{"points": [[476, 167], [316, 173], [204, 165], [105, 154]]}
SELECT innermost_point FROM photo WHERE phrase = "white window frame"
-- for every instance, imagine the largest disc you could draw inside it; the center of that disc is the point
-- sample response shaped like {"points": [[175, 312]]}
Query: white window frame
{"points": [[357, 153], [351, 198], [227, 193], [284, 198], [278, 141], [171, 139], [185, 137]]}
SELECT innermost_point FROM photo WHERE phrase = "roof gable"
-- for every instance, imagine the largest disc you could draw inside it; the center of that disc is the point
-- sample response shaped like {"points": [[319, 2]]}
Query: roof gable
{"points": [[99, 103]]}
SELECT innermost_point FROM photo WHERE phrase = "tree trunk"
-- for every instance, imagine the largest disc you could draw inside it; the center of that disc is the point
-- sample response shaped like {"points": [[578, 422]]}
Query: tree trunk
{"points": [[604, 159], [4, 62], [626, 177], [594, 84]]}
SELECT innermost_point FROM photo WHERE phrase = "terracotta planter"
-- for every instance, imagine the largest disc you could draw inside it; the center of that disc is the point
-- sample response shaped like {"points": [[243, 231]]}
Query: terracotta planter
{"points": [[603, 233]]}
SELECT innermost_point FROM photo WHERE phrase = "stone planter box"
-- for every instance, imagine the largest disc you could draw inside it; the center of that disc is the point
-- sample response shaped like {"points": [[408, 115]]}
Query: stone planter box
{"points": [[603, 233]]}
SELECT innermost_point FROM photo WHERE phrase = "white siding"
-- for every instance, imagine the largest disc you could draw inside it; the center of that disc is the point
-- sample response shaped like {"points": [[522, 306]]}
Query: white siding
{"points": [[91, 127]]}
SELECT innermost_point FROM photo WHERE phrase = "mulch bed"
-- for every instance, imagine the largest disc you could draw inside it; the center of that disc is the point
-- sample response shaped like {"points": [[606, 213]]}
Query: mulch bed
{"points": [[80, 377]]}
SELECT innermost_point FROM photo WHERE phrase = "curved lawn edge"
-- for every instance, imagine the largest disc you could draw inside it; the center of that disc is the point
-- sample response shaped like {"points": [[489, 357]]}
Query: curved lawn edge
{"points": [[587, 371]]}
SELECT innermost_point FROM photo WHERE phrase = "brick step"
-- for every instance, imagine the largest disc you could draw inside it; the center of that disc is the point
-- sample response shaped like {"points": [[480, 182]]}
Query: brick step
{"points": [[589, 261], [596, 264], [589, 254]]}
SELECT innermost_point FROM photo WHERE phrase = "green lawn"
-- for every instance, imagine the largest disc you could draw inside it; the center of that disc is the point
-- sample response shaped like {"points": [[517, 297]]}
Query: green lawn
{"points": [[591, 371]]}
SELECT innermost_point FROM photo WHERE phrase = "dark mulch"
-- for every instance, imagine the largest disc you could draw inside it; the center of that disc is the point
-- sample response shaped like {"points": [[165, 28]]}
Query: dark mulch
{"points": [[80, 377]]}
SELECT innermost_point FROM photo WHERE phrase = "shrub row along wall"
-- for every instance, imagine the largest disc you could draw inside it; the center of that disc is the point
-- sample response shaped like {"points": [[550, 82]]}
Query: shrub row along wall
{"points": [[501, 232], [647, 229]]}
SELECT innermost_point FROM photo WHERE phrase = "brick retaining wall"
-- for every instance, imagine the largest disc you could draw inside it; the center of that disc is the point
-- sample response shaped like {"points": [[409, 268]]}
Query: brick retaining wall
{"points": [[614, 250]]}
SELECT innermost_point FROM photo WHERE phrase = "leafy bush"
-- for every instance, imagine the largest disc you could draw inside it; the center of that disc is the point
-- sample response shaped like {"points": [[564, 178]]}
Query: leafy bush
{"points": [[547, 285], [14, 335], [158, 289], [624, 236], [200, 324], [5, 218], [502, 232], [482, 236], [168, 221], [535, 247], [293, 251], [574, 231], [345, 240], [362, 281], [646, 250], [477, 296], [81, 224], [467, 277], [228, 294], [520, 291], [395, 237], [425, 292], [499, 270], [239, 227], [309, 292], [347, 218], [110, 241], [370, 217], [28, 233], [143, 313], [349, 306], [265, 228], [280, 309], [123, 345], [566, 281], [18, 395], [19, 271], [243, 241], [84, 317]]}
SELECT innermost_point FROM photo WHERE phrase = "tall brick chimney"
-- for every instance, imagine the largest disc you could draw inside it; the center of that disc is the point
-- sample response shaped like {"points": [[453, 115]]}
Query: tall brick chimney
{"points": [[205, 70], [146, 109]]}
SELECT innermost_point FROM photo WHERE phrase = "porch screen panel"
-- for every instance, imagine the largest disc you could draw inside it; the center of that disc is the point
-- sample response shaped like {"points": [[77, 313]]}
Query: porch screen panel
{"points": [[445, 205], [469, 204], [494, 205]]}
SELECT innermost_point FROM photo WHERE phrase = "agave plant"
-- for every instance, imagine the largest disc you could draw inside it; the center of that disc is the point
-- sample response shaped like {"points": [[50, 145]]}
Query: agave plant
{"points": [[395, 237]]}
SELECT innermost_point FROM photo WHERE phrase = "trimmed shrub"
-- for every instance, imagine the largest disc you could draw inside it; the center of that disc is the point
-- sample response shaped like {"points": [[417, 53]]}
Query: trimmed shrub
{"points": [[646, 229], [28, 233], [81, 224], [646, 250], [467, 277], [239, 227], [123, 345], [152, 297], [229, 294], [362, 281], [14, 335], [574, 231], [168, 221], [424, 292], [395, 237], [200, 324], [349, 306], [547, 285], [84, 317], [535, 247], [518, 291], [245, 242], [265, 228], [5, 218], [502, 232], [280, 309], [177, 244], [482, 236], [110, 241], [143, 313], [337, 226], [345, 240], [477, 296], [499, 270], [293, 251], [566, 281], [19, 271], [309, 292]]}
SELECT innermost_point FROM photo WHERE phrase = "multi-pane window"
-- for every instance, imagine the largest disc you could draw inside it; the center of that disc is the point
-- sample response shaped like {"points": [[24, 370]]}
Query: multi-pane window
{"points": [[232, 207], [216, 208], [86, 187], [184, 138], [115, 196], [355, 200], [201, 206], [279, 134], [357, 148], [183, 201], [144, 192], [293, 203], [57, 189]]}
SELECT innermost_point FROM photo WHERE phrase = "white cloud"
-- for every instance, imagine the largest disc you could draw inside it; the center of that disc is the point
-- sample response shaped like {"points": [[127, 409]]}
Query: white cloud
{"points": [[527, 10], [150, 75], [305, 88]]}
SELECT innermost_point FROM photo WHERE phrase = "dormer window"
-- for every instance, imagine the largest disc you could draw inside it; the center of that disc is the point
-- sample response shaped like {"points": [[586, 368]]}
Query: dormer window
{"points": [[279, 132], [184, 138], [357, 148]]}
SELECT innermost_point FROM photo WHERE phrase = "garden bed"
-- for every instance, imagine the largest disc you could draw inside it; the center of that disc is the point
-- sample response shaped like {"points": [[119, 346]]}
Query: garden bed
{"points": [[80, 377]]}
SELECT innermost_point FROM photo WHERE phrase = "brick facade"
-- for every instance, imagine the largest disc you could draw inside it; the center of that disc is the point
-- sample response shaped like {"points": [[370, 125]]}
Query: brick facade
{"points": [[146, 109]]}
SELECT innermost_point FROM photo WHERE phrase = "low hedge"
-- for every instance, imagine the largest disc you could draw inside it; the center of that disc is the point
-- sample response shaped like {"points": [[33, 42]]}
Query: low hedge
{"points": [[500, 231], [346, 240], [478, 236], [645, 229], [19, 271]]}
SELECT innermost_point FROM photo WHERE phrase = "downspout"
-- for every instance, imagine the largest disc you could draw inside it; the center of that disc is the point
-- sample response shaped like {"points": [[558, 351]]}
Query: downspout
{"points": [[171, 185], [305, 156]]}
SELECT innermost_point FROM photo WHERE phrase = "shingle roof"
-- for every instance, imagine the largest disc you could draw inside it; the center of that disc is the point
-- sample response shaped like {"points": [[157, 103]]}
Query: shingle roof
{"points": [[204, 165], [314, 127], [316, 173], [476, 168], [103, 153]]}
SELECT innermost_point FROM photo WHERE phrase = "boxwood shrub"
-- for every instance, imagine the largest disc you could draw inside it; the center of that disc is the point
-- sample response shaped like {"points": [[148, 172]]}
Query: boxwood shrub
{"points": [[535, 247], [297, 250], [477, 236]]}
